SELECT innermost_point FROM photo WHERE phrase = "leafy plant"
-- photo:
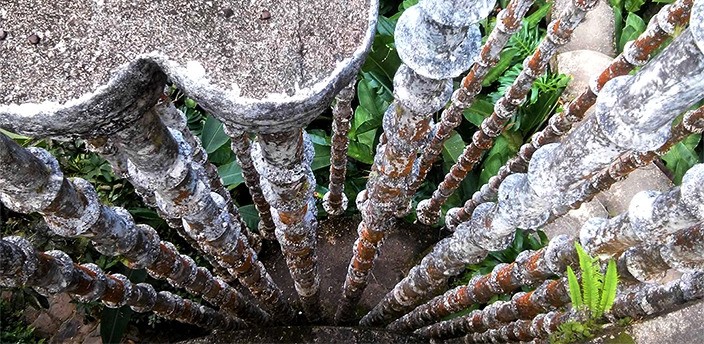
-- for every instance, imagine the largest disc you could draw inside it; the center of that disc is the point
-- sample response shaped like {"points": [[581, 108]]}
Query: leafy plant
{"points": [[594, 297]]}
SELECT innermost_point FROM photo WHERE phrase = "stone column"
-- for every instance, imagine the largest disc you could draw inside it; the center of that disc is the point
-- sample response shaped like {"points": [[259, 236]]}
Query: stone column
{"points": [[559, 32], [31, 181], [636, 53], [283, 161], [335, 200], [633, 113], [529, 268], [437, 41], [54, 272]]}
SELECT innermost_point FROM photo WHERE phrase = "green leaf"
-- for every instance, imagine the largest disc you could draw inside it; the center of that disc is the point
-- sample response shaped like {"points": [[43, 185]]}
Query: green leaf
{"points": [[453, 147], [609, 289], [682, 157], [231, 174], [589, 283], [368, 99], [633, 5], [385, 26], [480, 109], [321, 158], [633, 28], [213, 136], [250, 216], [575, 292]]}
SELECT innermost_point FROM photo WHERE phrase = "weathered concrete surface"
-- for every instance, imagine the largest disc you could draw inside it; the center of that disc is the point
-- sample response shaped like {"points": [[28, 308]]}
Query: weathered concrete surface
{"points": [[62, 50], [403, 248], [304, 334], [683, 326], [582, 66], [650, 177], [571, 222], [597, 31]]}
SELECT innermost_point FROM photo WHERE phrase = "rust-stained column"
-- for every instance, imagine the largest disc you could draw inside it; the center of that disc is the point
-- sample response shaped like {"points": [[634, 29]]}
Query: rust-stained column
{"points": [[636, 53], [437, 40], [638, 301], [633, 113], [71, 209], [548, 296], [559, 33], [243, 150], [651, 217], [159, 160], [530, 267], [54, 272], [335, 200], [283, 162], [508, 22]]}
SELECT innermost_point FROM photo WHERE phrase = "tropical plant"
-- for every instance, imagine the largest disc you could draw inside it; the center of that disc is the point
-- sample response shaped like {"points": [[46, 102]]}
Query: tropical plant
{"points": [[593, 298]]}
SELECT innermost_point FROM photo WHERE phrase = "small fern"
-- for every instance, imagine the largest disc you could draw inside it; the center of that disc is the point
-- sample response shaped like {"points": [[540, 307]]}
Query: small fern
{"points": [[596, 295], [597, 291]]}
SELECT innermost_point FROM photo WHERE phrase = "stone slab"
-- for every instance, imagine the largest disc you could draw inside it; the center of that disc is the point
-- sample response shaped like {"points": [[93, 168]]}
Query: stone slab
{"points": [[611, 202], [683, 326], [310, 334], [596, 32], [582, 66], [61, 50]]}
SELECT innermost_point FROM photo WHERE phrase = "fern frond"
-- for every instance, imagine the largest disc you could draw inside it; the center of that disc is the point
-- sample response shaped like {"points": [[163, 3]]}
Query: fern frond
{"points": [[589, 290], [575, 292], [608, 292]]}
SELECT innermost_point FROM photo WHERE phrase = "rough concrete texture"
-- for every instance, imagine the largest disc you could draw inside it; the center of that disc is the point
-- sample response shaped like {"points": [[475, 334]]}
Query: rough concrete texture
{"points": [[404, 246], [62, 322], [62, 50], [596, 32], [617, 199], [310, 334], [683, 326], [571, 222], [582, 66]]}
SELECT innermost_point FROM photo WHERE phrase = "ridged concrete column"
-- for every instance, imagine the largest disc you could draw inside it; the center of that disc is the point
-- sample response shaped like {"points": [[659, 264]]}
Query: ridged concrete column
{"points": [[335, 200], [54, 272], [636, 53], [529, 268], [283, 160], [437, 40], [31, 181], [559, 33], [633, 113]]}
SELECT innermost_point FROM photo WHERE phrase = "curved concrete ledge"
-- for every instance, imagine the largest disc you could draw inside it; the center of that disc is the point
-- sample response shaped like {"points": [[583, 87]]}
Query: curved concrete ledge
{"points": [[259, 65]]}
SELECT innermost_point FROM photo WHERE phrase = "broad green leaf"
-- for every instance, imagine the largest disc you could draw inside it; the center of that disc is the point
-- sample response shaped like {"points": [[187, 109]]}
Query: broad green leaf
{"points": [[480, 109], [369, 100], [505, 147], [362, 147], [12, 135], [633, 5], [319, 137], [681, 157], [222, 155], [575, 292], [321, 158], [231, 174], [213, 136], [453, 147], [633, 28], [250, 215], [609, 289], [385, 26]]}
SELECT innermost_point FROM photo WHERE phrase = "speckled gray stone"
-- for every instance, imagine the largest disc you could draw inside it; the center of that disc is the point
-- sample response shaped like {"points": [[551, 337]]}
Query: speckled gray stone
{"points": [[582, 66], [596, 33], [276, 58], [683, 326]]}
